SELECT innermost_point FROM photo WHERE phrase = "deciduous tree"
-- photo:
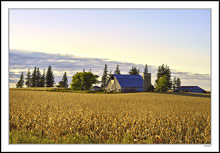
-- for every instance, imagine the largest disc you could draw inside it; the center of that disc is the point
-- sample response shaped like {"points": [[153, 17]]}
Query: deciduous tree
{"points": [[164, 70], [162, 84], [83, 80]]}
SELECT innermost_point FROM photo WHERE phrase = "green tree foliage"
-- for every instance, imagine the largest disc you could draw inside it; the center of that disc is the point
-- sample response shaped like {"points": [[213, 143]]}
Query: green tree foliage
{"points": [[38, 77], [151, 88], [83, 80], [104, 77], [134, 71], [176, 83], [64, 81], [162, 84], [34, 78], [20, 82], [28, 79], [117, 71], [49, 77], [146, 69], [164, 70], [42, 80]]}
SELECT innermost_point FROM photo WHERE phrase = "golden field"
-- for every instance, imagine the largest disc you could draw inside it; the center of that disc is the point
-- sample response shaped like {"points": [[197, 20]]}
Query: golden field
{"points": [[66, 117]]}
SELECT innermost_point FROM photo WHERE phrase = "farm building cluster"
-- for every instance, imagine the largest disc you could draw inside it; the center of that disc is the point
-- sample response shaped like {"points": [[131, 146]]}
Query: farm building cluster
{"points": [[138, 83]]}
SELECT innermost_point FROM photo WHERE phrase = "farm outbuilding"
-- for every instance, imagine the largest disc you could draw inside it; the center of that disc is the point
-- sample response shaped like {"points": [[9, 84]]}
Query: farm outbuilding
{"points": [[128, 83], [190, 89], [97, 88]]}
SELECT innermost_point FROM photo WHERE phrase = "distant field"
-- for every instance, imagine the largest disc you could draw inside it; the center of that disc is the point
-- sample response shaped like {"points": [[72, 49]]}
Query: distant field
{"points": [[68, 117]]}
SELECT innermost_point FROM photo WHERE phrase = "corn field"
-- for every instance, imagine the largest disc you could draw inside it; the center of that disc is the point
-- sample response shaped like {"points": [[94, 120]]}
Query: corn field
{"points": [[72, 118]]}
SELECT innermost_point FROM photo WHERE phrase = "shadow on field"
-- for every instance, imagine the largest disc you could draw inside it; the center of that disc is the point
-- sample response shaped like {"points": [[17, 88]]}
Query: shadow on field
{"points": [[186, 94]]}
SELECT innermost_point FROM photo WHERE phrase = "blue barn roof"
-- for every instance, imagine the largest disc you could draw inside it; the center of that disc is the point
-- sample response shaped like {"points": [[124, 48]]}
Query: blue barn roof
{"points": [[191, 89], [129, 80]]}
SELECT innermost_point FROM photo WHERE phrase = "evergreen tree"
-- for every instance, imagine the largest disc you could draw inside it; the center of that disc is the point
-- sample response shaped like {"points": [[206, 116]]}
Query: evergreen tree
{"points": [[176, 83], [104, 77], [146, 69], [134, 71], [49, 77], [117, 71], [34, 78], [64, 81], [20, 82], [38, 77], [164, 70], [42, 80], [28, 79]]}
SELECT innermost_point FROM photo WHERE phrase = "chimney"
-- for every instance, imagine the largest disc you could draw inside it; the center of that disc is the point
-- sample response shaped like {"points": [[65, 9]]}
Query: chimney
{"points": [[146, 81]]}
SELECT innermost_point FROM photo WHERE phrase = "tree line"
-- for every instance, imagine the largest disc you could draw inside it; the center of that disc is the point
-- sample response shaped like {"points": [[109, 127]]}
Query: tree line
{"points": [[162, 83], [84, 80], [36, 79]]}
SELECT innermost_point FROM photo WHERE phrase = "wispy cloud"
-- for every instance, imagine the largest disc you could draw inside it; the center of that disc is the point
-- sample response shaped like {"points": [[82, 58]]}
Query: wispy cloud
{"points": [[21, 61], [191, 76]]}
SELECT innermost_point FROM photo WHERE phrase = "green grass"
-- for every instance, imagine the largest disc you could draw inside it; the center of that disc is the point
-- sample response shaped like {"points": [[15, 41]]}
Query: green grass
{"points": [[58, 90], [29, 137]]}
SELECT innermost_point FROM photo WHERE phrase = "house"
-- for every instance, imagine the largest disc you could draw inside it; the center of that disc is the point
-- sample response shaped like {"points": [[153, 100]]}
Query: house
{"points": [[190, 89], [128, 83]]}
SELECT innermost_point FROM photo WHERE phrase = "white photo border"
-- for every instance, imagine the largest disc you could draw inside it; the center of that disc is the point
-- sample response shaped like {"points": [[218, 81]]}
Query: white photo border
{"points": [[105, 5]]}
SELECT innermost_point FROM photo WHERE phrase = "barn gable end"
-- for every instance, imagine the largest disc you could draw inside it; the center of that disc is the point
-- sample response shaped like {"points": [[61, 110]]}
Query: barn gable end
{"points": [[125, 83]]}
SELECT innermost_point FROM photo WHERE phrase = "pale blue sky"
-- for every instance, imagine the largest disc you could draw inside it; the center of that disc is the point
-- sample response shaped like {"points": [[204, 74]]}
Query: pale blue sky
{"points": [[178, 38]]}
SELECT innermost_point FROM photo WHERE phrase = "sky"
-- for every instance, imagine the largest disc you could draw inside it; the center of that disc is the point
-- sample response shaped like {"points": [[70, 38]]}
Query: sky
{"points": [[178, 38]]}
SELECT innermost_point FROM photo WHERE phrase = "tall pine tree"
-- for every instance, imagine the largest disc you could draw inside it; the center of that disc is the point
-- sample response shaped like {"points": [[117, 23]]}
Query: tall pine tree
{"points": [[117, 71], [174, 83], [146, 69], [178, 82], [28, 79], [49, 77], [20, 82], [104, 77], [42, 80], [134, 71], [34, 78], [38, 77], [64, 81]]}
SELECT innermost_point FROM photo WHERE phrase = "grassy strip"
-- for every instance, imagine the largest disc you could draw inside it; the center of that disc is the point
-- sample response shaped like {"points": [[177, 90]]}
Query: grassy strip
{"points": [[29, 137], [64, 90]]}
